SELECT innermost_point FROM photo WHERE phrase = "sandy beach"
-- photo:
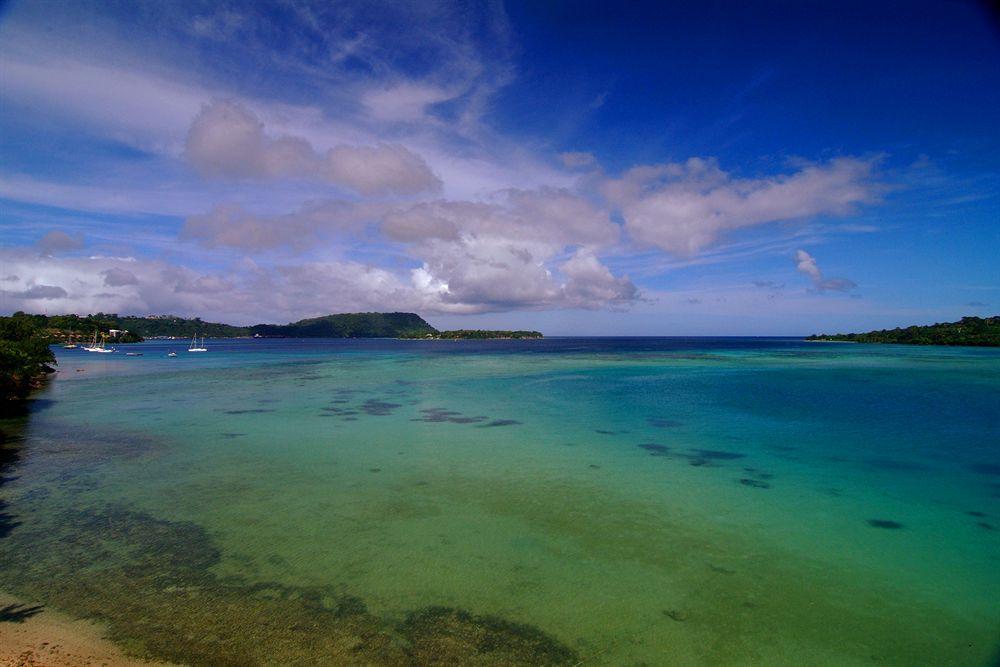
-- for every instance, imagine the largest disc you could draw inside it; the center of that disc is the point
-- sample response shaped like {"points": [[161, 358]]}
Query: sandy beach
{"points": [[31, 636]]}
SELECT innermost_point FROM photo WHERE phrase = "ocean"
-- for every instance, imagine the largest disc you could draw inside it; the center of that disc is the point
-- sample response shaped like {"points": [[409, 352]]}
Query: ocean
{"points": [[616, 501]]}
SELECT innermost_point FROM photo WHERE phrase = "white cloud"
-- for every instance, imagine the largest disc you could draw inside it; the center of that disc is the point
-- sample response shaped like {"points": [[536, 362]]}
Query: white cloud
{"points": [[227, 139], [116, 277], [39, 292], [683, 208], [57, 241], [806, 264], [591, 285], [403, 102], [501, 254], [230, 225]]}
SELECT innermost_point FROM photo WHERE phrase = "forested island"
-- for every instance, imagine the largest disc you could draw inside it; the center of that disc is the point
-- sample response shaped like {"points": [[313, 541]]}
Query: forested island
{"points": [[474, 334], [348, 325], [133, 329], [973, 331]]}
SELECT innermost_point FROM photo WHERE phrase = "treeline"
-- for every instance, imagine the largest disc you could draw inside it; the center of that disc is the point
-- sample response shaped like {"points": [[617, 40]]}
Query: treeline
{"points": [[974, 331], [25, 357], [476, 334], [59, 328]]}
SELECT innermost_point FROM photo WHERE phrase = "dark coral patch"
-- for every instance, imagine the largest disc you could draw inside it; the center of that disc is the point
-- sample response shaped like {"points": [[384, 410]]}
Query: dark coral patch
{"points": [[468, 420], [18, 613], [981, 515], [251, 411], [718, 455], [986, 526], [230, 436], [500, 422], [164, 570], [754, 483], [445, 636], [439, 415], [884, 523], [603, 431], [655, 449], [378, 408]]}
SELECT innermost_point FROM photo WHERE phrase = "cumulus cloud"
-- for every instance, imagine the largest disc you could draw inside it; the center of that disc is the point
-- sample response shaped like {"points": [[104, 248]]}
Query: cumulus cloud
{"points": [[506, 253], [246, 294], [383, 168], [574, 160], [115, 277], [228, 140], [684, 207], [591, 285], [806, 264], [231, 225], [501, 254], [545, 215], [43, 292], [57, 241]]}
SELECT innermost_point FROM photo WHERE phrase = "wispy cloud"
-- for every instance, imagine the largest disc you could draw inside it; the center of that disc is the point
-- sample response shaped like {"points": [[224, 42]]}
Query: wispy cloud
{"points": [[806, 264]]}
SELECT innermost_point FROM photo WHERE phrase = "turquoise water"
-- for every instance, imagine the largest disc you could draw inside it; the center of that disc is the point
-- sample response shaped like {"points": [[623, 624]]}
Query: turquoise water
{"points": [[611, 501]]}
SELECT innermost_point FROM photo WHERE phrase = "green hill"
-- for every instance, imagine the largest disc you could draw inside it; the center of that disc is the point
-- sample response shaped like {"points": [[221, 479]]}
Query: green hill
{"points": [[977, 331], [349, 325]]}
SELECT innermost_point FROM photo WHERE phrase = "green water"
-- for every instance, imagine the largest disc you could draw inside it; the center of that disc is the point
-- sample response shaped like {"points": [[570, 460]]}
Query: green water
{"points": [[606, 501]]}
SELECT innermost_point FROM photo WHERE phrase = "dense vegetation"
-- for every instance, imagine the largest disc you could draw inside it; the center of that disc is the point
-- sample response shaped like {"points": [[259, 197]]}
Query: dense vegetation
{"points": [[180, 327], [350, 325], [25, 356], [59, 328], [476, 334], [976, 331]]}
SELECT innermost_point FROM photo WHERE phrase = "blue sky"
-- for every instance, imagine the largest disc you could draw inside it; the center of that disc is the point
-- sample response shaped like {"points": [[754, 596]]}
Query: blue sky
{"points": [[574, 167]]}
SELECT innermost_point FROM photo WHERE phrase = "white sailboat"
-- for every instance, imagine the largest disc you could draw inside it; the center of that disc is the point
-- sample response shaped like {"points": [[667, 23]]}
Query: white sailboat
{"points": [[196, 347], [70, 345], [99, 347], [93, 346]]}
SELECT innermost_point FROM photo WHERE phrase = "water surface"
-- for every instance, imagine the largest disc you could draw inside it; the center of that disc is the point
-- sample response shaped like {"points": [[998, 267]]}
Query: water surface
{"points": [[615, 501]]}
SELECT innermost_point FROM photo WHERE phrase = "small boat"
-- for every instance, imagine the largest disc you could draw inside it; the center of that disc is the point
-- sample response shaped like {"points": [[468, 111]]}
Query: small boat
{"points": [[133, 354], [171, 353], [70, 345], [93, 346], [99, 347], [196, 347]]}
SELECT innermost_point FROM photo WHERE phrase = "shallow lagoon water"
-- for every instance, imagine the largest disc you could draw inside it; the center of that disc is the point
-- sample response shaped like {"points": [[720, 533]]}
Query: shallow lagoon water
{"points": [[612, 501]]}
